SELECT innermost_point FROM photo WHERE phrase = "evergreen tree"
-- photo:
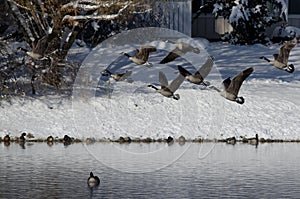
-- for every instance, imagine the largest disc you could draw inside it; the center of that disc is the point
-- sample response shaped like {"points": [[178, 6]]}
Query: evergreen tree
{"points": [[249, 19]]}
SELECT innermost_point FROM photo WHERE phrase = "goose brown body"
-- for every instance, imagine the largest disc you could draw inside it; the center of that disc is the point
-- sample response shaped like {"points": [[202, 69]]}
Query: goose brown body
{"points": [[166, 89], [281, 60], [200, 74], [181, 48], [141, 55]]}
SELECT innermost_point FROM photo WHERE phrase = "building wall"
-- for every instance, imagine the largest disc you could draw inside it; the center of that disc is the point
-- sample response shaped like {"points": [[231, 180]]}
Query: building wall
{"points": [[294, 20], [209, 27], [206, 26], [177, 15], [294, 12]]}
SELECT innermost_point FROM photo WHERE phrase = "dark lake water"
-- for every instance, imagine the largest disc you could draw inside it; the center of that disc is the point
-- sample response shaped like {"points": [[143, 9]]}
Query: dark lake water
{"points": [[156, 170]]}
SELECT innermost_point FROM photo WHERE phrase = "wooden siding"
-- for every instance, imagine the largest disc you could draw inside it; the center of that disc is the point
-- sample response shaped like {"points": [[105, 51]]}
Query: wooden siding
{"points": [[177, 15]]}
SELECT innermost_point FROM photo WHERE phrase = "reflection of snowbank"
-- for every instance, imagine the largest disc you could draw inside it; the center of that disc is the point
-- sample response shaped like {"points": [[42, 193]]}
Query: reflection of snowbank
{"points": [[133, 158]]}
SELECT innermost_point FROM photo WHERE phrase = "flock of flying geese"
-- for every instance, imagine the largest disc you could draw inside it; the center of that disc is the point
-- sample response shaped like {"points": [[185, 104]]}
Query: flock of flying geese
{"points": [[231, 86]]}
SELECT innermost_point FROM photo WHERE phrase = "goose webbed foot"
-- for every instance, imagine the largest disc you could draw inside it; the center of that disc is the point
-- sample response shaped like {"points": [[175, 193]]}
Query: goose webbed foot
{"points": [[148, 64]]}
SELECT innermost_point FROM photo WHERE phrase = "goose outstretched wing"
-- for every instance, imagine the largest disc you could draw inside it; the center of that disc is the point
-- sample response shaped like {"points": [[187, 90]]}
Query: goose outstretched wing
{"points": [[185, 47], [171, 56], [284, 51], [226, 83], [237, 81], [283, 56], [176, 83], [125, 75], [183, 71], [205, 69], [162, 79], [144, 51], [41, 46]]}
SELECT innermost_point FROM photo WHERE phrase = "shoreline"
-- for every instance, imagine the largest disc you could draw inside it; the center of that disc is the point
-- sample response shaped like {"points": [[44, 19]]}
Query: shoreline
{"points": [[128, 140]]}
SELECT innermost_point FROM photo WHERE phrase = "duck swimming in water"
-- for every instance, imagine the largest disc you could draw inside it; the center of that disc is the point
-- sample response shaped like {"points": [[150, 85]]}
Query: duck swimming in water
{"points": [[22, 137], [93, 180], [6, 138]]}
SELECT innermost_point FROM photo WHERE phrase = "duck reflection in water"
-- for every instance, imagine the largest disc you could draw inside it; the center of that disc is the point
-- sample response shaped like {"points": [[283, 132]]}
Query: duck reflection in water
{"points": [[22, 140]]}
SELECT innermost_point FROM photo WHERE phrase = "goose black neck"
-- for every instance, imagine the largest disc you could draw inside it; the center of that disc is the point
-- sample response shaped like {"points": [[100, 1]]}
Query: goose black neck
{"points": [[126, 54], [264, 58], [152, 86], [106, 70]]}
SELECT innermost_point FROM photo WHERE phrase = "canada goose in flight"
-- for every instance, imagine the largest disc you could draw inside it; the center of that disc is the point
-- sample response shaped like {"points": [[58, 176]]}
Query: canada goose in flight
{"points": [[180, 49], [200, 74], [93, 180], [166, 89], [38, 49], [281, 59], [118, 76], [232, 86], [141, 55]]}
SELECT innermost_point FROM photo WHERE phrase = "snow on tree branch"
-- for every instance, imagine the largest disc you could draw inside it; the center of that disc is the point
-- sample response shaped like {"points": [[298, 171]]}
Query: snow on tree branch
{"points": [[14, 6], [24, 7], [96, 17], [88, 5]]}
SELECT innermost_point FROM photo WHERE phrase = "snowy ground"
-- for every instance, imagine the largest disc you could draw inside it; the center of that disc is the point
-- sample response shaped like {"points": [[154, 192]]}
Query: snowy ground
{"points": [[112, 109]]}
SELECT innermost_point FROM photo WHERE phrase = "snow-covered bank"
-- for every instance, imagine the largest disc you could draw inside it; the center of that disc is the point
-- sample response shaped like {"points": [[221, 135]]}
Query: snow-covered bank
{"points": [[117, 109]]}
